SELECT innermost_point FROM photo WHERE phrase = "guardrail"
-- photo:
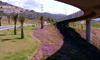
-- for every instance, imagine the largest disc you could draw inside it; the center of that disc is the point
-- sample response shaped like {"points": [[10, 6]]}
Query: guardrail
{"points": [[74, 15]]}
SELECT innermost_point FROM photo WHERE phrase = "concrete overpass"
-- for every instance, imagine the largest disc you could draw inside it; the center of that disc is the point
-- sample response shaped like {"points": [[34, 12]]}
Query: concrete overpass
{"points": [[90, 9]]}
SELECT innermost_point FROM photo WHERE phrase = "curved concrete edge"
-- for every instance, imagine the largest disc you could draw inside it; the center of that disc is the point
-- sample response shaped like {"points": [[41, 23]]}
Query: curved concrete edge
{"points": [[85, 17], [91, 10], [88, 13], [35, 53], [72, 16]]}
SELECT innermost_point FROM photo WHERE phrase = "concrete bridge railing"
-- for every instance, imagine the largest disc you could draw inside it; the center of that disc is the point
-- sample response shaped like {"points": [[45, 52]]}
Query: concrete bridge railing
{"points": [[74, 15]]}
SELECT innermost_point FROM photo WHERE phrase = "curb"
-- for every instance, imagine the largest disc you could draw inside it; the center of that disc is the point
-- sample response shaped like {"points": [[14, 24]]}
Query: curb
{"points": [[33, 56]]}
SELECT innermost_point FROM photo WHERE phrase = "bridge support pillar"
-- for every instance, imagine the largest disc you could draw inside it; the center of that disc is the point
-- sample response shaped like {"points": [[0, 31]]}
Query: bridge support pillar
{"points": [[88, 30], [67, 25]]}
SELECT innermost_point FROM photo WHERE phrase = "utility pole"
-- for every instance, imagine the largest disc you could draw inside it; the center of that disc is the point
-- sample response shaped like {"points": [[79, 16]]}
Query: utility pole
{"points": [[41, 7]]}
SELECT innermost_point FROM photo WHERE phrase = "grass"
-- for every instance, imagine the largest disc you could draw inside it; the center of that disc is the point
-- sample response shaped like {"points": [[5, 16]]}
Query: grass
{"points": [[50, 40], [6, 24], [12, 47], [83, 26], [78, 27], [96, 25]]}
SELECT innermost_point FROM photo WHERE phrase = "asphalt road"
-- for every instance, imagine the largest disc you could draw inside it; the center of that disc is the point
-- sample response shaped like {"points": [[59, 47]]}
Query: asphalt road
{"points": [[12, 26]]}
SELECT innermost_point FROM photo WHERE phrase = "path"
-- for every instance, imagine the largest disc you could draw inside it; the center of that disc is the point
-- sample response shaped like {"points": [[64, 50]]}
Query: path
{"points": [[12, 26]]}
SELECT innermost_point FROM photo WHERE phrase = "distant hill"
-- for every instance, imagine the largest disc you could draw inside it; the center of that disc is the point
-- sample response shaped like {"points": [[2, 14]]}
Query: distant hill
{"points": [[55, 16], [4, 3], [6, 8]]}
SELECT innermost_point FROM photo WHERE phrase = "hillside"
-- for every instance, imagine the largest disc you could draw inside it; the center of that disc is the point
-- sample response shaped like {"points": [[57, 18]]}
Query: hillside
{"points": [[6, 8], [66, 44], [55, 16]]}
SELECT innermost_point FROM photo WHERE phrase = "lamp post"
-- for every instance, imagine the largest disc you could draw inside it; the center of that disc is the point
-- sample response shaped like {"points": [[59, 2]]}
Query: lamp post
{"points": [[65, 11]]}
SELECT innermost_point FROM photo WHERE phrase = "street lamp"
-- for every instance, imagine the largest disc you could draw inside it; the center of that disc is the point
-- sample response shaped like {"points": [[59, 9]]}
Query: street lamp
{"points": [[65, 11]]}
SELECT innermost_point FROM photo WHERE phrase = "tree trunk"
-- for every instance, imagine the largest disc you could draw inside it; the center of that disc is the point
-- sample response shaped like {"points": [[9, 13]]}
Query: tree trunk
{"points": [[9, 21], [22, 32], [0, 22], [42, 25], [15, 31]]}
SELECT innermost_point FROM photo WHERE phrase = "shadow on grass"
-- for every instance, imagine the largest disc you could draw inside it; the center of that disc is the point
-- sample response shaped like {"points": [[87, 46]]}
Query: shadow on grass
{"points": [[5, 40], [74, 47], [18, 38], [2, 34]]}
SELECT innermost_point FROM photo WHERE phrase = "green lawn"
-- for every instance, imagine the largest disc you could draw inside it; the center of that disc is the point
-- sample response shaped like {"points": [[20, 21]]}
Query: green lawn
{"points": [[83, 26], [6, 24], [12, 47], [78, 27], [96, 25]]}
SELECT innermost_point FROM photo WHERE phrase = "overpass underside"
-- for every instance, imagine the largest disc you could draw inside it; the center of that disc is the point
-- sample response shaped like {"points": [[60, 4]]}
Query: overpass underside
{"points": [[91, 9]]}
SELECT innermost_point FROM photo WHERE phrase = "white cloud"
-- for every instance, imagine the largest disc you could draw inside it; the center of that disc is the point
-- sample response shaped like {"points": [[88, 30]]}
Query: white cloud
{"points": [[15, 2], [36, 9], [50, 6], [56, 7], [4, 0]]}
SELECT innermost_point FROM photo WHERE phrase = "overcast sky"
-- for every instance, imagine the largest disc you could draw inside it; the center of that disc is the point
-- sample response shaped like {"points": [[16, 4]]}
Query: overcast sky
{"points": [[50, 6]]}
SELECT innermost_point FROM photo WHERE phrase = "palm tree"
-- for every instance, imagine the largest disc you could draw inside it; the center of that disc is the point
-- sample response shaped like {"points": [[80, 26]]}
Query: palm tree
{"points": [[22, 20], [8, 16], [42, 21], [0, 20], [15, 16], [50, 20]]}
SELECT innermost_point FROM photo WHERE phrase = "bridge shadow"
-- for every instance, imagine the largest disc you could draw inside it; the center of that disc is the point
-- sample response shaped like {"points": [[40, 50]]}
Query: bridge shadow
{"points": [[74, 47]]}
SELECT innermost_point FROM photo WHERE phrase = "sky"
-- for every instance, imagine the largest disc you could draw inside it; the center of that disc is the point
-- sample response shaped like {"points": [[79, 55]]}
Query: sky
{"points": [[49, 6], [97, 19]]}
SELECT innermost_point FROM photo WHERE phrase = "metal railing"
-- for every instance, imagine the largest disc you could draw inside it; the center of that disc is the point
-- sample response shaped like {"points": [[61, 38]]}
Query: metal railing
{"points": [[74, 15]]}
